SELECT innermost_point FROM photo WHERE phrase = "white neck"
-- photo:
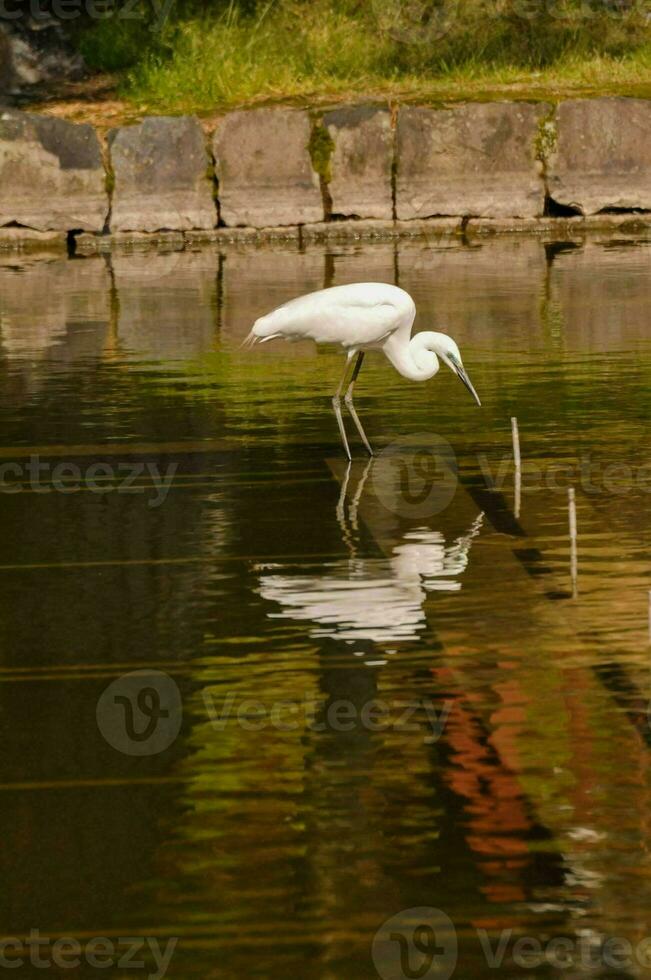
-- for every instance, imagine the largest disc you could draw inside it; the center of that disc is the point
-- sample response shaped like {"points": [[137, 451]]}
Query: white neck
{"points": [[413, 359]]}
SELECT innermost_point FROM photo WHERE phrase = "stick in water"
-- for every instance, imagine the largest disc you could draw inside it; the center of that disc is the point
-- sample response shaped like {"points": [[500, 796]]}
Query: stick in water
{"points": [[516, 459], [516, 442], [574, 562]]}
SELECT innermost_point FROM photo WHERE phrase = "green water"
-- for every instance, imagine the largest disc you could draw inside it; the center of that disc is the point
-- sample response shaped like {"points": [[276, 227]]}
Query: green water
{"points": [[373, 690]]}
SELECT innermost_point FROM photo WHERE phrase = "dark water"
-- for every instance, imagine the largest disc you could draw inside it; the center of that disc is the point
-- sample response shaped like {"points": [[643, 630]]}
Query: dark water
{"points": [[364, 692]]}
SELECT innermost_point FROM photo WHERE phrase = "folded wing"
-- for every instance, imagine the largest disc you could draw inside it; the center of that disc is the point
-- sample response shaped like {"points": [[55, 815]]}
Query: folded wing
{"points": [[356, 315]]}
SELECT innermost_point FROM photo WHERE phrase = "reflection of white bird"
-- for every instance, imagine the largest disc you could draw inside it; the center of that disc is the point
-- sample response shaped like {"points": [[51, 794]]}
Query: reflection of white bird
{"points": [[363, 316], [378, 599]]}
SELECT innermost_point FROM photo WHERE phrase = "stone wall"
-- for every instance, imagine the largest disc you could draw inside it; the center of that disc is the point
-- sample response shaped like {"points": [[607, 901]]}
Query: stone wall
{"points": [[282, 168]]}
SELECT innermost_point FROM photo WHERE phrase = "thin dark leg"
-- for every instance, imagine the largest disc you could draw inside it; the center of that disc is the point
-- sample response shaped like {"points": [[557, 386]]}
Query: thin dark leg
{"points": [[336, 404], [348, 399]]}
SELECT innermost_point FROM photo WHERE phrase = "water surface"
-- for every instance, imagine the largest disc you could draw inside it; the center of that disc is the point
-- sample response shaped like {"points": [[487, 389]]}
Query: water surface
{"points": [[269, 584]]}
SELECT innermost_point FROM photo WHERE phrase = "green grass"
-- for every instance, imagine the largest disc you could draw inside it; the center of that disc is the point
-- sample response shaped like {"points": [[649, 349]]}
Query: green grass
{"points": [[325, 50]]}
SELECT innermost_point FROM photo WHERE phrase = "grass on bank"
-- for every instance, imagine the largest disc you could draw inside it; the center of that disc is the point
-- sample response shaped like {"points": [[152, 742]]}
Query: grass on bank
{"points": [[324, 50]]}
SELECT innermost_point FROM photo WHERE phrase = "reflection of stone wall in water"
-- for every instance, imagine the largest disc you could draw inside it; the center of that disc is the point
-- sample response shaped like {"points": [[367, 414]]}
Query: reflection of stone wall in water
{"points": [[124, 306], [488, 289], [152, 288], [599, 308], [54, 309], [258, 280], [132, 306], [349, 263]]}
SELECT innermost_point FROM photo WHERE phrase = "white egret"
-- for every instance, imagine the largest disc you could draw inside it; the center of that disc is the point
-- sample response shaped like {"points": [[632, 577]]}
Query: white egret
{"points": [[363, 316]]}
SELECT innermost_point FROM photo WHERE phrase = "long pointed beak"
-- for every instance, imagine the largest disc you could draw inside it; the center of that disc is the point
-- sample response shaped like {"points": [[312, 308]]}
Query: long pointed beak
{"points": [[461, 374]]}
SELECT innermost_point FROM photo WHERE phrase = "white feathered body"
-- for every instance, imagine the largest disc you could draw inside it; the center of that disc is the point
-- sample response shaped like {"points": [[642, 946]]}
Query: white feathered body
{"points": [[358, 316]]}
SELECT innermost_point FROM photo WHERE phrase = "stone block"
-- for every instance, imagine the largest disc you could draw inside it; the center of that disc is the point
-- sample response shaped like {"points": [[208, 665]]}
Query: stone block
{"points": [[51, 174], [264, 169], [602, 156], [361, 161], [162, 178], [475, 159]]}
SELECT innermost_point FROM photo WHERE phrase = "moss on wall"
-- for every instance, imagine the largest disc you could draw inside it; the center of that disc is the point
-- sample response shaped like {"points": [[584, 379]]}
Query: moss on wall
{"points": [[546, 138], [321, 147]]}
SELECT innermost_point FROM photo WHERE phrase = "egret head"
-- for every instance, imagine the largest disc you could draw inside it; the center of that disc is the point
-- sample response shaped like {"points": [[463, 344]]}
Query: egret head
{"points": [[447, 350]]}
